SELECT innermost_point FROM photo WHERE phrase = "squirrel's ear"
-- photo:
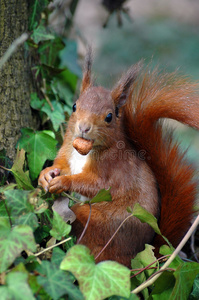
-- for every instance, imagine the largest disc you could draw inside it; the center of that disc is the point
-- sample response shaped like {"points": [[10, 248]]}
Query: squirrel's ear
{"points": [[123, 88], [86, 81]]}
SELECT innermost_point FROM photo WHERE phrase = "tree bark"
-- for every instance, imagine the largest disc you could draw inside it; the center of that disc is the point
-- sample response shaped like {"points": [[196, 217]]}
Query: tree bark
{"points": [[16, 82]]}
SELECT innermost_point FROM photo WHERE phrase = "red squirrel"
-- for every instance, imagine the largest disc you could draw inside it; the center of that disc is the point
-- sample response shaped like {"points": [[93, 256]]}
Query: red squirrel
{"points": [[133, 155]]}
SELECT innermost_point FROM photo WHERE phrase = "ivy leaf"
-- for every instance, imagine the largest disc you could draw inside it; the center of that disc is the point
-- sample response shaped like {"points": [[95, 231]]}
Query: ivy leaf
{"points": [[144, 216], [17, 201], [41, 34], [3, 211], [166, 250], [56, 116], [163, 287], [185, 275], [146, 257], [142, 260], [36, 103], [13, 241], [49, 51], [195, 293], [69, 59], [102, 195], [60, 88], [29, 219], [39, 146], [16, 284], [20, 208], [8, 187], [96, 281], [70, 78], [22, 178], [57, 282], [139, 278], [60, 227], [57, 256]]}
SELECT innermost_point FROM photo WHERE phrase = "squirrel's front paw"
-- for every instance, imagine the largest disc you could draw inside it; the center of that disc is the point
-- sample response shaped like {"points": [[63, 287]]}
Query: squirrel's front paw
{"points": [[60, 184], [46, 176]]}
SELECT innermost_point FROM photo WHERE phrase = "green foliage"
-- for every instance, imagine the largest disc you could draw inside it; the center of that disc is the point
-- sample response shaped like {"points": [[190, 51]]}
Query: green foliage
{"points": [[40, 146], [102, 195], [96, 281], [21, 207], [195, 292], [41, 34], [55, 113], [27, 223], [60, 228], [22, 178], [26, 211], [141, 261], [21, 211], [57, 282], [144, 216], [13, 241], [16, 286], [37, 7]]}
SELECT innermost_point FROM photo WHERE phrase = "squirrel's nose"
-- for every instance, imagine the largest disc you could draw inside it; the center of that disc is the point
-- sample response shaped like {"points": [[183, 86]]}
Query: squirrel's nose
{"points": [[84, 128]]}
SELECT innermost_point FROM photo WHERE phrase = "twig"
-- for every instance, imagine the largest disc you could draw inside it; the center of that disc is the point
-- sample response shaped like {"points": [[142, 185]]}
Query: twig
{"points": [[113, 235], [147, 267], [43, 89], [83, 232], [168, 262], [4, 168], [161, 271], [72, 198], [13, 47], [53, 246]]}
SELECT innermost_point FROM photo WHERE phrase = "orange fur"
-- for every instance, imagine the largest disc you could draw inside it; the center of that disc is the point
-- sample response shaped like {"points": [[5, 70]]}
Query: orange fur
{"points": [[166, 96], [136, 104]]}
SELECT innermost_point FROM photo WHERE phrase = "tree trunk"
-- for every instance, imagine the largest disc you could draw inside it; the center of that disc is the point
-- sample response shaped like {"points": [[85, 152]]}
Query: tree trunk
{"points": [[16, 82]]}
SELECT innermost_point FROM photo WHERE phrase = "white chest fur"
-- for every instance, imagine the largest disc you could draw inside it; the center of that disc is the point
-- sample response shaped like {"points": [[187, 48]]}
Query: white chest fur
{"points": [[77, 162]]}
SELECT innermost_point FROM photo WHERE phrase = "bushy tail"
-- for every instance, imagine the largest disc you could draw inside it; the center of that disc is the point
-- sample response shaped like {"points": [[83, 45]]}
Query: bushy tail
{"points": [[155, 96]]}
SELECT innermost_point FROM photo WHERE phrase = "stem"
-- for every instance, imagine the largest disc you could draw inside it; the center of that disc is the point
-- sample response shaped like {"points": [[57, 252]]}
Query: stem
{"points": [[83, 232], [9, 217], [160, 271], [113, 235], [12, 48], [4, 168], [53, 246], [72, 198], [148, 267], [43, 89], [168, 262]]}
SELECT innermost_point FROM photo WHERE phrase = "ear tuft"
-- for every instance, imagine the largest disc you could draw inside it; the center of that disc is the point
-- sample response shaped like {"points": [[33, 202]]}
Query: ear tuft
{"points": [[123, 88], [86, 81]]}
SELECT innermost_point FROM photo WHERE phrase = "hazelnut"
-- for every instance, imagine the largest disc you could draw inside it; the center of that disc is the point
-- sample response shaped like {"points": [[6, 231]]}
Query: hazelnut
{"points": [[83, 146]]}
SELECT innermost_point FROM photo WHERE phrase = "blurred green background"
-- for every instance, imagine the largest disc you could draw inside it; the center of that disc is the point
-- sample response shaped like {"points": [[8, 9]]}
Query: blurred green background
{"points": [[164, 32]]}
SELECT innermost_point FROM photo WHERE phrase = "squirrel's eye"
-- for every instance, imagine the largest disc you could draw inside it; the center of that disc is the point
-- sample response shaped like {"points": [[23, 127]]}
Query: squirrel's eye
{"points": [[74, 107], [108, 118]]}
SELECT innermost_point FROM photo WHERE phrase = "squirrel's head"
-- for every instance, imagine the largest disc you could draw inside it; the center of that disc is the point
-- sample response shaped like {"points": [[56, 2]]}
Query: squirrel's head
{"points": [[97, 113]]}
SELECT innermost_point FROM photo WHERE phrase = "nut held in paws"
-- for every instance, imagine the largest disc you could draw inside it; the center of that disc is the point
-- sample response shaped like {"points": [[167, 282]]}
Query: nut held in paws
{"points": [[83, 146]]}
